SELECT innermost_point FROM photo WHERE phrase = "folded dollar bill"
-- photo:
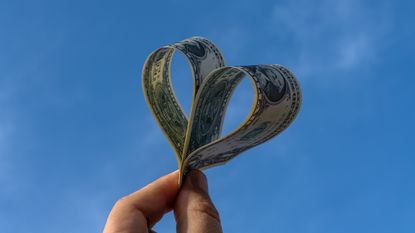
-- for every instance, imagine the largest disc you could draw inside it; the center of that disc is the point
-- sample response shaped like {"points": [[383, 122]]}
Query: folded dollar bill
{"points": [[197, 141]]}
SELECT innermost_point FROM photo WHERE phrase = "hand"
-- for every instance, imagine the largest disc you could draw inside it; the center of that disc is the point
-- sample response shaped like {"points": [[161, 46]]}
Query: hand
{"points": [[193, 209]]}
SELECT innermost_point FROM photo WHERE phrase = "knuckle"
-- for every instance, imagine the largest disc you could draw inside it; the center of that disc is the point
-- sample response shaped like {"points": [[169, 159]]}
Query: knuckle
{"points": [[121, 202], [205, 207]]}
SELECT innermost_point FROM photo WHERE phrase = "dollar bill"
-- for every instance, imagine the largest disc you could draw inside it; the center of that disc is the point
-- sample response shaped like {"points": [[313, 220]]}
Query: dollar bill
{"points": [[196, 141]]}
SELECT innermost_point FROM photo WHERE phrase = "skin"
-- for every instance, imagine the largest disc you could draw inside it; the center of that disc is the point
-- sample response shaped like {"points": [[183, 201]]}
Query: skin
{"points": [[192, 206]]}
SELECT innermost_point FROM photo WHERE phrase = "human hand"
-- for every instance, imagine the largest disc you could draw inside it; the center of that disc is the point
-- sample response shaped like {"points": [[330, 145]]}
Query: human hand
{"points": [[193, 208]]}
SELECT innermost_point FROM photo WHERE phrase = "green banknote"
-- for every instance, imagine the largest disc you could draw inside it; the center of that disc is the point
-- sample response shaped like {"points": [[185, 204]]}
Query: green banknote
{"points": [[197, 140]]}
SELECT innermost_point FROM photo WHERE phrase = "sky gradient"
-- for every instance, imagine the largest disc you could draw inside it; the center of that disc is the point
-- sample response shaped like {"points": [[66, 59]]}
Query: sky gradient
{"points": [[76, 134]]}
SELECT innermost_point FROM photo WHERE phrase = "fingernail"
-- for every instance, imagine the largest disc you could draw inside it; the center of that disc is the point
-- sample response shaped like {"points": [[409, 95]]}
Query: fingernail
{"points": [[198, 180]]}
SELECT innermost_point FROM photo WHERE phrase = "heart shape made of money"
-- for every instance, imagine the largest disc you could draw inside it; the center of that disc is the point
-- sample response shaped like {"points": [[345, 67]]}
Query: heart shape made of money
{"points": [[196, 141]]}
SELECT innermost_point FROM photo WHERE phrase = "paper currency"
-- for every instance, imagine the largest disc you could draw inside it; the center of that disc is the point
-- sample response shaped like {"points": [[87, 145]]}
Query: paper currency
{"points": [[197, 141]]}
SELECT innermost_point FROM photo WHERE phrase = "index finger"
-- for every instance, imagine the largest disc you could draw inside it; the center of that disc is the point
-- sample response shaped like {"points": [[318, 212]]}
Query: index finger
{"points": [[140, 210]]}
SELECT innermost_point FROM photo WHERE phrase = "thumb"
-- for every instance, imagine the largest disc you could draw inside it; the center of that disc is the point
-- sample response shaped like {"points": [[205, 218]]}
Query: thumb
{"points": [[194, 210]]}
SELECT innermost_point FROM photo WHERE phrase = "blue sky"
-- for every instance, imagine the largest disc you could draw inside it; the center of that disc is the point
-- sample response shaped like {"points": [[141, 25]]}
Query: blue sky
{"points": [[76, 135]]}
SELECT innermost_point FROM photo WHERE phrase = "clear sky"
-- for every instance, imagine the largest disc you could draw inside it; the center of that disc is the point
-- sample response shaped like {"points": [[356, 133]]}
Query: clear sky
{"points": [[76, 134]]}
